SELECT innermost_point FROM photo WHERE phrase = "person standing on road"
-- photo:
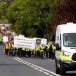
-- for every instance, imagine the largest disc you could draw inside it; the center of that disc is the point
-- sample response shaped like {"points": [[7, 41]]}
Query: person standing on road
{"points": [[6, 48], [23, 52], [19, 52], [10, 49], [41, 51], [32, 53], [48, 47], [0, 40], [45, 52], [27, 52], [51, 52], [38, 50], [13, 51]]}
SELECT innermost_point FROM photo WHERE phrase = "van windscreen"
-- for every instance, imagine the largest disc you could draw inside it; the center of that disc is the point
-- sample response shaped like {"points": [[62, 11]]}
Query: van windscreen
{"points": [[69, 39]]}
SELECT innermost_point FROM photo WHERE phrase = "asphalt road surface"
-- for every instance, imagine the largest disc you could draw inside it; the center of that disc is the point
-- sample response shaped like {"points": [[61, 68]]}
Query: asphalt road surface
{"points": [[15, 66]]}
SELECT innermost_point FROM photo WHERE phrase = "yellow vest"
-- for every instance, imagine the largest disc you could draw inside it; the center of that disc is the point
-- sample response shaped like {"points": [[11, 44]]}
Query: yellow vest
{"points": [[0, 38], [48, 46], [27, 49], [23, 49], [53, 47], [6, 46], [38, 47]]}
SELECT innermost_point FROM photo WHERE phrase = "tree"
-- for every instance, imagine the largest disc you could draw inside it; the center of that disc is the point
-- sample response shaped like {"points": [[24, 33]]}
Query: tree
{"points": [[4, 4], [33, 17], [3, 8], [67, 12]]}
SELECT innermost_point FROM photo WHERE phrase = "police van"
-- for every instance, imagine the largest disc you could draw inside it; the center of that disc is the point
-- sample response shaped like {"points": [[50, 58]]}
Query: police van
{"points": [[65, 52]]}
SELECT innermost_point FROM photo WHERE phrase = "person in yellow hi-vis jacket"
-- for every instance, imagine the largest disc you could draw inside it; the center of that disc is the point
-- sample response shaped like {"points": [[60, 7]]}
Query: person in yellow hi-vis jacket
{"points": [[48, 51], [38, 48], [13, 50], [10, 49], [0, 40], [6, 48], [53, 50], [41, 50], [32, 53]]}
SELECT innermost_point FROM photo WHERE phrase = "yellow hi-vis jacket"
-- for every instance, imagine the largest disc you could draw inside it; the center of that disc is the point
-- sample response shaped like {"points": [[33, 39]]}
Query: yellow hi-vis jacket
{"points": [[6, 46], [42, 48], [48, 46], [27, 49], [23, 49], [38, 47], [53, 47], [0, 39]]}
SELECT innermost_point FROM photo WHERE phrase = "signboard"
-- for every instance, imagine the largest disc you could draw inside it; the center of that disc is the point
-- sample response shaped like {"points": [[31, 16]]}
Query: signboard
{"points": [[44, 41], [41, 40], [5, 39], [22, 42]]}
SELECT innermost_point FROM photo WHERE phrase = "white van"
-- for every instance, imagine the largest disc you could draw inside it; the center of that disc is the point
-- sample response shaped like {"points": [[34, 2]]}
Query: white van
{"points": [[65, 53]]}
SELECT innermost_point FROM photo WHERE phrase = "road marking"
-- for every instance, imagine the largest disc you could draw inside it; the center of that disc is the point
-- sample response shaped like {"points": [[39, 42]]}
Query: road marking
{"points": [[41, 70], [36, 68], [32, 66], [45, 71]]}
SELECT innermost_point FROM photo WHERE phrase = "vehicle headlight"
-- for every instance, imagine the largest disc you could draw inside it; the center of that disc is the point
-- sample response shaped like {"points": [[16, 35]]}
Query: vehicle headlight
{"points": [[66, 53]]}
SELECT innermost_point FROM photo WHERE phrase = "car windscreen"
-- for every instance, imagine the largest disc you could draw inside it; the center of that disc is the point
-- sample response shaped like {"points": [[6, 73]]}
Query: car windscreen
{"points": [[69, 39]]}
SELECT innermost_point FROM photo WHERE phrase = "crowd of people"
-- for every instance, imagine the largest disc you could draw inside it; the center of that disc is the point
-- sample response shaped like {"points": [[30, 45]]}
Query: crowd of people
{"points": [[40, 51]]}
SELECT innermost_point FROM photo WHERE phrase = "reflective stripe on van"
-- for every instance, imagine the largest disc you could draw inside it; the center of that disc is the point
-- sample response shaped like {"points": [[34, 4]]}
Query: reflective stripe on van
{"points": [[63, 57]]}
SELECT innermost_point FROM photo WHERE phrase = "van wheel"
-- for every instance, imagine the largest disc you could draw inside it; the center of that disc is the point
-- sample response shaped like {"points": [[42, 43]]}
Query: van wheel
{"points": [[62, 70], [57, 68]]}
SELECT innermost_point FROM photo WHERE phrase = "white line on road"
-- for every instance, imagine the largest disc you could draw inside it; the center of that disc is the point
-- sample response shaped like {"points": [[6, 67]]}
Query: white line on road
{"points": [[45, 71]]}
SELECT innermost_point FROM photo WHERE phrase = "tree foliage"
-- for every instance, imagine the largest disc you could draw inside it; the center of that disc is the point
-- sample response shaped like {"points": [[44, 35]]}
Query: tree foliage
{"points": [[3, 8], [67, 12], [37, 17], [32, 17]]}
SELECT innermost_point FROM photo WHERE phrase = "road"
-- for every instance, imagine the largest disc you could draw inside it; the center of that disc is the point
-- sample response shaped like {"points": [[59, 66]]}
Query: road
{"points": [[15, 66]]}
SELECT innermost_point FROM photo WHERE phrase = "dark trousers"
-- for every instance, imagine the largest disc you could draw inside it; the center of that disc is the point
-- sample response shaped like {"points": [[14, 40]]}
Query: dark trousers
{"points": [[19, 52], [29, 53], [23, 53], [51, 54], [37, 54], [41, 55], [32, 54], [12, 52], [6, 51], [44, 54]]}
